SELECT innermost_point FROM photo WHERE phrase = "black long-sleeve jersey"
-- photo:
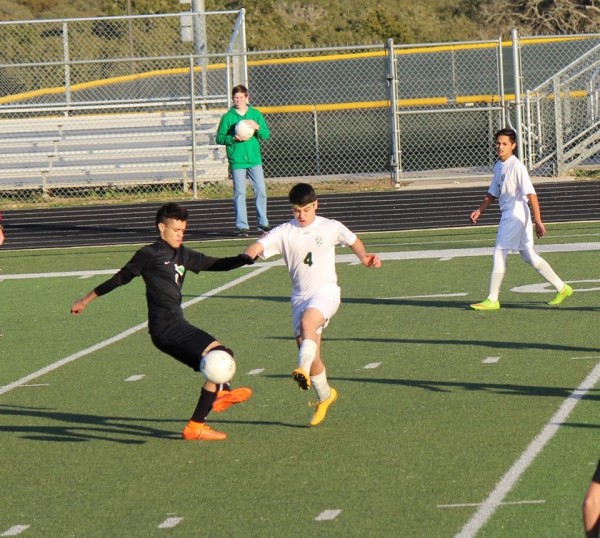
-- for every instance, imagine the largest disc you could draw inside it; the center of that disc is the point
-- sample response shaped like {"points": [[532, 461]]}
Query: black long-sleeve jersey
{"points": [[163, 269]]}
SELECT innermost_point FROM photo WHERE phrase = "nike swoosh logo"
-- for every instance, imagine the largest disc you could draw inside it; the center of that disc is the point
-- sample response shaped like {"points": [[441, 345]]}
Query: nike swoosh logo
{"points": [[167, 262]]}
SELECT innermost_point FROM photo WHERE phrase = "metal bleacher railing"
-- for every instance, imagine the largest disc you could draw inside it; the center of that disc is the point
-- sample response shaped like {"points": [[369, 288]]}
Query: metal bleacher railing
{"points": [[107, 106]]}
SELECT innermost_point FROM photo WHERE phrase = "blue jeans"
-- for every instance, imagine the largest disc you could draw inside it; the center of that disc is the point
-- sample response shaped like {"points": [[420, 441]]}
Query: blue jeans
{"points": [[257, 179]]}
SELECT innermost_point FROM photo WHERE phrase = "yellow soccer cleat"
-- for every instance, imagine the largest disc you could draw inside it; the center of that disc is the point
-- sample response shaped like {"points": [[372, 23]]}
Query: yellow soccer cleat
{"points": [[567, 291], [486, 305], [323, 407]]}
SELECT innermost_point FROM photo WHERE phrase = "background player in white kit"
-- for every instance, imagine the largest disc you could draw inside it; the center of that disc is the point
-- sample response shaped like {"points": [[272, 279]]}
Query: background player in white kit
{"points": [[307, 244], [512, 187]]}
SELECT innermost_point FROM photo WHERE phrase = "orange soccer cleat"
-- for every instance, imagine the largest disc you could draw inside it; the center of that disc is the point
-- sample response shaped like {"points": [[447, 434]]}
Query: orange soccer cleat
{"points": [[226, 398], [199, 431]]}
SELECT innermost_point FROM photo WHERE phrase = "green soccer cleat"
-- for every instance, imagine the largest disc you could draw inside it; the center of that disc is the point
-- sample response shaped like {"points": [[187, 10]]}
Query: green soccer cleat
{"points": [[567, 291], [323, 407], [486, 305]]}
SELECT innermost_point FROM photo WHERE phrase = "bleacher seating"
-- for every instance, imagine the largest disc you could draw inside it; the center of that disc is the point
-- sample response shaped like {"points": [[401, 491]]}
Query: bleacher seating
{"points": [[112, 149]]}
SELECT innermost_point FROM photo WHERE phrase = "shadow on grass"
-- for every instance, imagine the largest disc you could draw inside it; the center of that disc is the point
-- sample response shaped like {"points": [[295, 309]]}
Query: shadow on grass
{"points": [[79, 427], [431, 385], [580, 425], [462, 304], [505, 389], [492, 344]]}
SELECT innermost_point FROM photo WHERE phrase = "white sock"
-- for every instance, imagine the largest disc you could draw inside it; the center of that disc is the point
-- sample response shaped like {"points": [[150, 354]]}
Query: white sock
{"points": [[307, 354], [321, 386], [495, 283], [544, 269]]}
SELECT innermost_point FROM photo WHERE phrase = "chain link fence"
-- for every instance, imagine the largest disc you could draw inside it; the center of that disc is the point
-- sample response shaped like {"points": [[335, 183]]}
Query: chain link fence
{"points": [[121, 108], [563, 117], [328, 113], [448, 100]]}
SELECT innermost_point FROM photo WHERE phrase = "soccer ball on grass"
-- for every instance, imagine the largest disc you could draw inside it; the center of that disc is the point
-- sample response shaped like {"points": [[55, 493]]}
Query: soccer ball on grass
{"points": [[217, 366]]}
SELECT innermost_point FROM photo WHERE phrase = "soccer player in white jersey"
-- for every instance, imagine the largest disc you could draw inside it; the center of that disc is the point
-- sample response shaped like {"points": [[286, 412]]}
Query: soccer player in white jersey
{"points": [[512, 187], [307, 244]]}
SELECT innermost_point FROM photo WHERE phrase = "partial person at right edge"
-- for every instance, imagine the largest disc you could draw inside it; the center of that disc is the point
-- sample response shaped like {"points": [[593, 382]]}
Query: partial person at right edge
{"points": [[245, 159], [591, 507]]}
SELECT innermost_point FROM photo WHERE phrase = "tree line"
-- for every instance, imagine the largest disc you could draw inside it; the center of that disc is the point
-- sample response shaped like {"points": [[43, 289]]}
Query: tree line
{"points": [[283, 24]]}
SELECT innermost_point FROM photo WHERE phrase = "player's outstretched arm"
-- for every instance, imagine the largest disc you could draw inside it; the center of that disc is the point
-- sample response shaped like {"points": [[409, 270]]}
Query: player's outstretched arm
{"points": [[367, 259], [80, 305], [254, 250], [227, 264]]}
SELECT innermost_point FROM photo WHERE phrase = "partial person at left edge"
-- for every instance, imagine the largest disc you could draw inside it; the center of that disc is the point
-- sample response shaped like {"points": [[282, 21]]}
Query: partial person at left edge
{"points": [[1, 241], [163, 265]]}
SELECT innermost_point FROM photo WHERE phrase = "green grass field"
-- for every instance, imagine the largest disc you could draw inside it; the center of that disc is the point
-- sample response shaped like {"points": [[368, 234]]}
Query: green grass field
{"points": [[433, 433]]}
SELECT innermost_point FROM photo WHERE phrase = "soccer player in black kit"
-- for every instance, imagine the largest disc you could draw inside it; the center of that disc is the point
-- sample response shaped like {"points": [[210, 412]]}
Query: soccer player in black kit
{"points": [[163, 266]]}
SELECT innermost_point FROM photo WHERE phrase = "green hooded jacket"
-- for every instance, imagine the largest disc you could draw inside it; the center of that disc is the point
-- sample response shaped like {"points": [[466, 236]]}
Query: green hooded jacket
{"points": [[245, 154]]}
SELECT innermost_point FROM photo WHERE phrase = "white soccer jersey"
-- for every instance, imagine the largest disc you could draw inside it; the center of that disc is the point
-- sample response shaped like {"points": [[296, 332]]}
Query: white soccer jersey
{"points": [[309, 252], [511, 185]]}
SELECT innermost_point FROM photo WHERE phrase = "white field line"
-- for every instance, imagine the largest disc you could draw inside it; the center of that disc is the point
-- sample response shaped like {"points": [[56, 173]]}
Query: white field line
{"points": [[81, 274], [444, 254], [507, 482], [15, 530], [432, 296], [170, 523], [328, 515], [135, 377], [122, 335], [508, 503]]}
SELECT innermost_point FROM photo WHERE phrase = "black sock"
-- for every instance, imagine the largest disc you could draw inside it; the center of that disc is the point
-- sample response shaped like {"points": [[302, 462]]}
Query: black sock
{"points": [[204, 405]]}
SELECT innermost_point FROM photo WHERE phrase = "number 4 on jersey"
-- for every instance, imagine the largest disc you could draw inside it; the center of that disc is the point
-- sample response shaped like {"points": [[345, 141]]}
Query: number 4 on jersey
{"points": [[308, 259]]}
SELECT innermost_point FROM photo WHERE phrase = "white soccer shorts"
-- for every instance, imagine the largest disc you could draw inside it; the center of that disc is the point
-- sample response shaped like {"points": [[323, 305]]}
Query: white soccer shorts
{"points": [[326, 300]]}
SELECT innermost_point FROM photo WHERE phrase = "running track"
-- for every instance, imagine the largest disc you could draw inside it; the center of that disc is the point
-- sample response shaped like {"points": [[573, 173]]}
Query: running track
{"points": [[408, 208]]}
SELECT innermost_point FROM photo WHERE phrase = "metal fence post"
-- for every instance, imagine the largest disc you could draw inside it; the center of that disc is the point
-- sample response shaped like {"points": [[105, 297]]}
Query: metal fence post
{"points": [[193, 130], [516, 51], [558, 122], [395, 150], [501, 85], [66, 59], [200, 44], [237, 47], [316, 133]]}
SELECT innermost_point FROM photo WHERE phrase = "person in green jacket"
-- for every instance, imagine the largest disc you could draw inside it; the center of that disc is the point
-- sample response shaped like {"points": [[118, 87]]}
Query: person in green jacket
{"points": [[245, 160]]}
